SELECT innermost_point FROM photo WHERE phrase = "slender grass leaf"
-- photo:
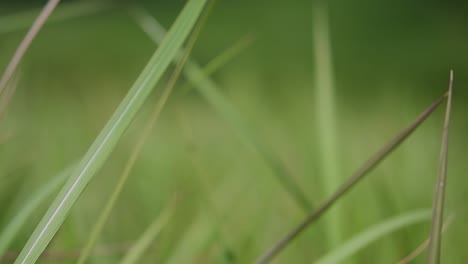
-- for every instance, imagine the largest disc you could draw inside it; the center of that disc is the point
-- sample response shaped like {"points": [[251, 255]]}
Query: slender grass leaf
{"points": [[370, 164], [135, 153], [111, 133], [433, 256], [362, 240], [209, 90], [326, 116], [223, 58]]}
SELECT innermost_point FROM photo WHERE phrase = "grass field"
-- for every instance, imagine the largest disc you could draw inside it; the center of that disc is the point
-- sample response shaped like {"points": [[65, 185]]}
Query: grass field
{"points": [[236, 159]]}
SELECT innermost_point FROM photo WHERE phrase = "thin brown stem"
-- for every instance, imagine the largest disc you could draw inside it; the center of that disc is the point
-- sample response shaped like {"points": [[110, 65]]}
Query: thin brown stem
{"points": [[433, 256], [22, 48], [371, 163]]}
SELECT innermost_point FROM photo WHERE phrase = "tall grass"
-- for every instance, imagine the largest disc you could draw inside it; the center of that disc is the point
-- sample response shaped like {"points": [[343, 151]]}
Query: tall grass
{"points": [[207, 235], [110, 134]]}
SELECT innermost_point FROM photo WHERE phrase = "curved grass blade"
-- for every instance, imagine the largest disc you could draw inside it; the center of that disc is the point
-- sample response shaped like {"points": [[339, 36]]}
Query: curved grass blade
{"points": [[102, 219], [425, 244], [210, 91], [326, 117], [111, 133], [433, 256], [26, 42], [222, 59], [362, 240], [371, 163], [37, 198], [143, 243], [23, 20]]}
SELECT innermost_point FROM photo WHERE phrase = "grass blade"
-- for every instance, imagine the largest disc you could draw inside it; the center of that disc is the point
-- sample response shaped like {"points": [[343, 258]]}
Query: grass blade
{"points": [[433, 256], [209, 90], [326, 116], [14, 226], [111, 133], [223, 58], [425, 244], [23, 20], [26, 42], [102, 219], [371, 163], [360, 241], [142, 244]]}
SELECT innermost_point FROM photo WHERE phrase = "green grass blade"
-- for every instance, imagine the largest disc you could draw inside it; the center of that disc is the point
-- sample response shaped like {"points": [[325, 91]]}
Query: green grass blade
{"points": [[150, 234], [102, 219], [209, 90], [326, 116], [222, 59], [433, 256], [37, 198], [111, 133], [371, 163], [23, 20], [362, 240], [26, 42]]}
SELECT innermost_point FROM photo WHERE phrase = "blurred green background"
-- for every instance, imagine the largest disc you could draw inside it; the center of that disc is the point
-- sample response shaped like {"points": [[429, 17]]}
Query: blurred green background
{"points": [[390, 59]]}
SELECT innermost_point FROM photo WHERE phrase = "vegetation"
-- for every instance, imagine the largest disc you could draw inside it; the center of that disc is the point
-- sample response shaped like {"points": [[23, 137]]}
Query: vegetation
{"points": [[106, 160]]}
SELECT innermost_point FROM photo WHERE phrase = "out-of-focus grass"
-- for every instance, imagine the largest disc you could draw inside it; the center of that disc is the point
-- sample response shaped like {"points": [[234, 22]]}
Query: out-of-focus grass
{"points": [[383, 83]]}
